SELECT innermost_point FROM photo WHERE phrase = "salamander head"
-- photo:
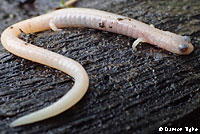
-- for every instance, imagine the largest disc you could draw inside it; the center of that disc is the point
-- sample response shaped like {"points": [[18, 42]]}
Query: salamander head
{"points": [[176, 43], [185, 47], [182, 44]]}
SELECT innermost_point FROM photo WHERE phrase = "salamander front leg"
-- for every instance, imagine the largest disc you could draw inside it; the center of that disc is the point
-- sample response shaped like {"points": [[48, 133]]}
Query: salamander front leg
{"points": [[53, 27], [70, 3], [137, 42]]}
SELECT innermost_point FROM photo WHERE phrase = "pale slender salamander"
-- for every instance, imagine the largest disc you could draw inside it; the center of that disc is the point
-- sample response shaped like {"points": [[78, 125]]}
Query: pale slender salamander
{"points": [[81, 17]]}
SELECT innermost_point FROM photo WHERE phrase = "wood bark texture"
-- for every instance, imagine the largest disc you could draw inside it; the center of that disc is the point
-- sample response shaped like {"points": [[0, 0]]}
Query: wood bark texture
{"points": [[129, 92]]}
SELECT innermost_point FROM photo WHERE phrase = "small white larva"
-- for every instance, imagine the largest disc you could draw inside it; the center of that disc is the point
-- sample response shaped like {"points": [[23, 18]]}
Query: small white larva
{"points": [[81, 17]]}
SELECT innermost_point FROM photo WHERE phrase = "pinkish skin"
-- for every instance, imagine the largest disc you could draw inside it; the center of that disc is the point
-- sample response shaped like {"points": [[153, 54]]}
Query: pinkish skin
{"points": [[80, 17]]}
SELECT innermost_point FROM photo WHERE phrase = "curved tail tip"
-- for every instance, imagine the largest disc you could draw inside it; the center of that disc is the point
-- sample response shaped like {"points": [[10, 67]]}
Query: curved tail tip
{"points": [[16, 123]]}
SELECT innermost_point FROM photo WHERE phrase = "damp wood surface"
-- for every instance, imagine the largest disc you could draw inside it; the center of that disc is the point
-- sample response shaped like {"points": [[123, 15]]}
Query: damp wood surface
{"points": [[129, 92]]}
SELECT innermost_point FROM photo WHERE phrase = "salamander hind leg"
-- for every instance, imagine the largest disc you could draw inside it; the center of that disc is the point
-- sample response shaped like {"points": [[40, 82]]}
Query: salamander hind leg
{"points": [[53, 26], [137, 42]]}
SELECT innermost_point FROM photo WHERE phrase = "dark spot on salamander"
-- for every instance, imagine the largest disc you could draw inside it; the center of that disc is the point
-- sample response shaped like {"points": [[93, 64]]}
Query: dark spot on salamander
{"points": [[120, 19], [21, 30], [101, 25], [26, 43], [11, 27], [110, 26]]}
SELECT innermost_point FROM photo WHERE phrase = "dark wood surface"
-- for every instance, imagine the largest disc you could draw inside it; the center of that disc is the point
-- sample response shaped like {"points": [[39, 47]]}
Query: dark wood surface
{"points": [[129, 92]]}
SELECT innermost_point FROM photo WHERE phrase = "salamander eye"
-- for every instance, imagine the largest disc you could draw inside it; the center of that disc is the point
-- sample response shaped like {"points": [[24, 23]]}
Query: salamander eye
{"points": [[187, 39], [183, 47]]}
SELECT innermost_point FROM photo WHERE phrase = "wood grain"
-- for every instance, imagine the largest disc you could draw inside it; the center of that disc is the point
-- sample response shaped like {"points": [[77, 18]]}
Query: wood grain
{"points": [[129, 92]]}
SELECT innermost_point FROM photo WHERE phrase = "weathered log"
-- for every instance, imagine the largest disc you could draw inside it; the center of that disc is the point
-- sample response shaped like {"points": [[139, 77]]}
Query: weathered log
{"points": [[129, 92]]}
